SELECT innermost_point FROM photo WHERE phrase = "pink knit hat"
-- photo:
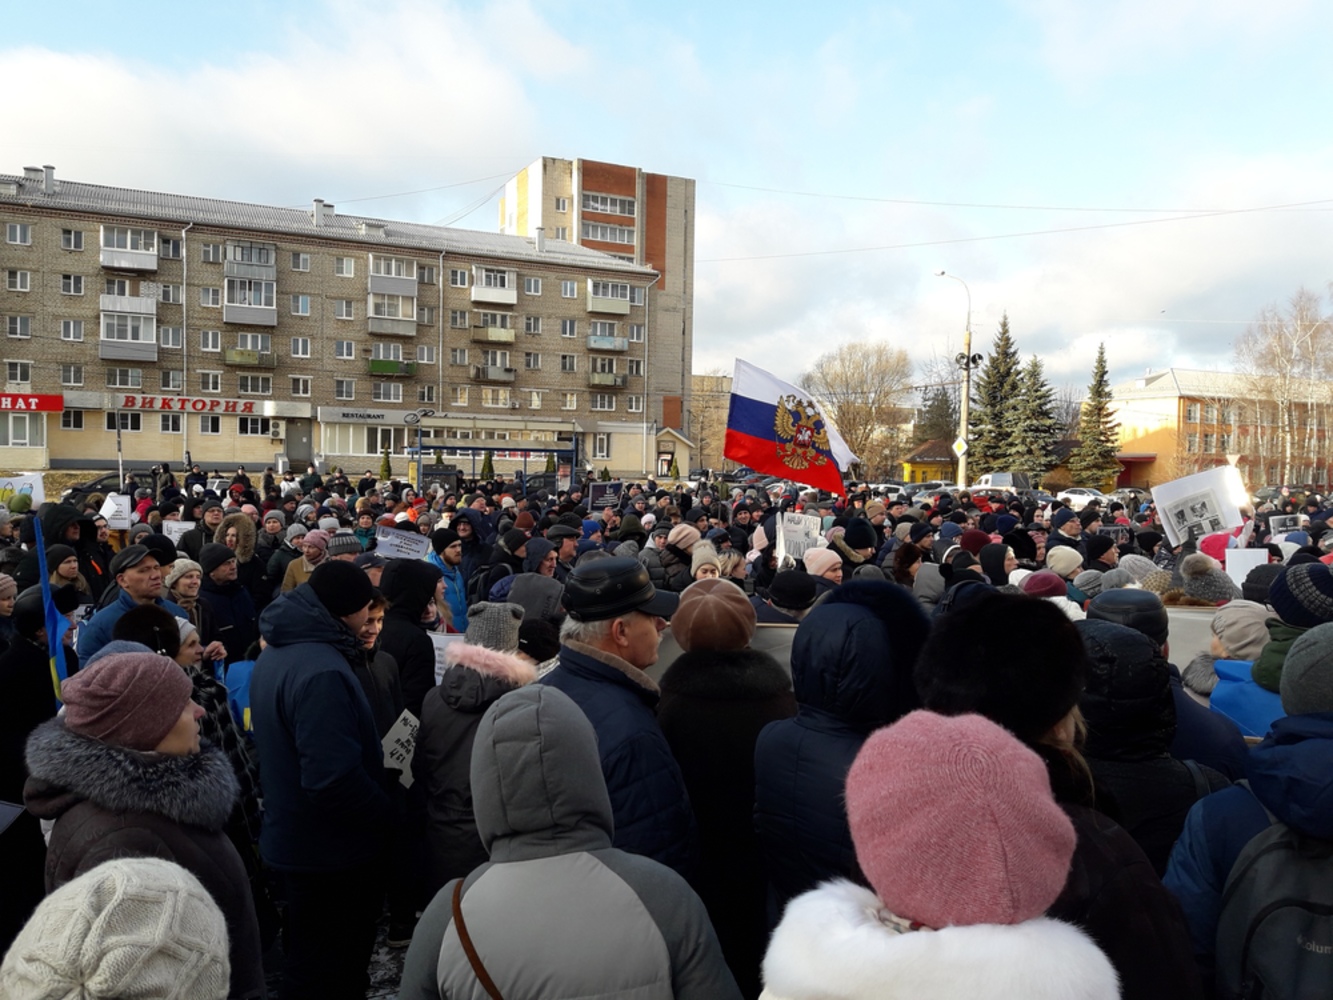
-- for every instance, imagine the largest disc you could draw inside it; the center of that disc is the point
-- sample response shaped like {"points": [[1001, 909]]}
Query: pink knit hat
{"points": [[318, 538], [129, 699], [684, 537], [820, 561], [954, 822]]}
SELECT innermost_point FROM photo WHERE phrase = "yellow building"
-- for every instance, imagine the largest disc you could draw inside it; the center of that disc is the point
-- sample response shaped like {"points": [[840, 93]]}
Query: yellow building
{"points": [[932, 462]]}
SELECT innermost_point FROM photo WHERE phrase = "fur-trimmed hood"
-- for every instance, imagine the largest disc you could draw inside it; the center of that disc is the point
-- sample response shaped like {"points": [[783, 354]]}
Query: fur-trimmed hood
{"points": [[475, 676], [66, 768], [245, 535], [833, 945]]}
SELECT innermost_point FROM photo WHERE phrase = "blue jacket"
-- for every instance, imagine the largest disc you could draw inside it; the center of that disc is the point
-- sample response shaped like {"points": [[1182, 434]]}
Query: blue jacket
{"points": [[1207, 737], [319, 753], [96, 632], [1290, 772], [648, 797], [852, 661], [455, 593]]}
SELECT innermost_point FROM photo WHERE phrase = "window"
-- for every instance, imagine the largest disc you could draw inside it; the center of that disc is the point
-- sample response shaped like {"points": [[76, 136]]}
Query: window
{"points": [[71, 239], [492, 277], [603, 328], [255, 385], [261, 342], [1209, 441], [343, 309], [1191, 443], [636, 333], [210, 340], [604, 366], [210, 424], [534, 399], [300, 347], [458, 355], [393, 306], [569, 362], [167, 247], [634, 366], [569, 289], [392, 267], [532, 361], [18, 232], [1224, 443], [569, 328], [387, 392], [21, 281], [637, 295], [210, 381], [603, 401], [426, 315], [72, 329], [344, 388], [344, 350], [126, 421], [386, 352], [532, 324], [1228, 415], [607, 234], [251, 253], [71, 420], [609, 204], [425, 355], [169, 423], [426, 274], [300, 262], [634, 404], [457, 277], [300, 305], [124, 326], [171, 294], [124, 378], [300, 385], [458, 318], [495, 397], [116, 286], [1210, 414], [71, 374], [19, 327], [251, 292], [609, 290], [212, 253], [344, 267], [458, 395], [172, 380], [18, 371], [495, 359], [425, 394], [120, 238], [532, 286], [569, 401], [601, 445], [253, 426], [1192, 413], [211, 297], [500, 320]]}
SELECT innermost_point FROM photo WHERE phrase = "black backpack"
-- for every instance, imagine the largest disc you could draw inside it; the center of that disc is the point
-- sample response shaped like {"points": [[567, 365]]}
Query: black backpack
{"points": [[1275, 928]]}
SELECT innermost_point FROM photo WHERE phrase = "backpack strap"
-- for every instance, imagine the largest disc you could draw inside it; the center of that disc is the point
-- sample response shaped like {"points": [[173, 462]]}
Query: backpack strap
{"points": [[1201, 787], [1245, 784], [474, 960]]}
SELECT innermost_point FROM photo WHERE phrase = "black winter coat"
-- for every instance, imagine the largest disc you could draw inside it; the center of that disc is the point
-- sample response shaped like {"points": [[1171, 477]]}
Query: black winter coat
{"points": [[409, 584], [234, 619], [56, 521], [713, 707]]}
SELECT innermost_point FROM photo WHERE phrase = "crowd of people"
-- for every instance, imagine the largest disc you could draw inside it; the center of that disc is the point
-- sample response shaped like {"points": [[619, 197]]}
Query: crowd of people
{"points": [[944, 752]]}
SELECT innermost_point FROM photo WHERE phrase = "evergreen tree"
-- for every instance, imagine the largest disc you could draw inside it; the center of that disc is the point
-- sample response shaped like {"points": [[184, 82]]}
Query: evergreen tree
{"points": [[1033, 448], [1093, 462], [487, 466], [992, 419], [550, 462], [386, 467], [939, 416], [674, 471]]}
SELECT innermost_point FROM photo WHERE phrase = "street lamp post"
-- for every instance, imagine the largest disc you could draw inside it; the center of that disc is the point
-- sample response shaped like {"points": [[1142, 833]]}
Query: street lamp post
{"points": [[966, 361]]}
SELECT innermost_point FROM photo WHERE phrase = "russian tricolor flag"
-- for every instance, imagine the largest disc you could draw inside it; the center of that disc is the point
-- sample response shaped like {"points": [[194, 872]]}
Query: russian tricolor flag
{"points": [[776, 428]]}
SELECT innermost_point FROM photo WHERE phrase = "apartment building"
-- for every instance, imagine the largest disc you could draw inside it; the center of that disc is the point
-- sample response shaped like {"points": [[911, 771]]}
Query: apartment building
{"points": [[638, 217], [240, 333]]}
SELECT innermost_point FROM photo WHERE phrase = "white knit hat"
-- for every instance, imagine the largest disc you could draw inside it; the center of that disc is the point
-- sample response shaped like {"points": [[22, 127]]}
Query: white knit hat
{"points": [[138, 927]]}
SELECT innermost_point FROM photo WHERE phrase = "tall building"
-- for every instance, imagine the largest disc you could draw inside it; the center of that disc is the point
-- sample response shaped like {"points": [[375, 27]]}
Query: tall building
{"points": [[237, 333], [640, 218]]}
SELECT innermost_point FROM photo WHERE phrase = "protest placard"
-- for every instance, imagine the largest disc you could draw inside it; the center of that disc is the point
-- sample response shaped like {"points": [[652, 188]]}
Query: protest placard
{"points": [[1119, 532], [25, 482], [1280, 524], [394, 543], [441, 641], [604, 494], [1241, 561], [175, 530], [1201, 504], [400, 745], [797, 533], [117, 510]]}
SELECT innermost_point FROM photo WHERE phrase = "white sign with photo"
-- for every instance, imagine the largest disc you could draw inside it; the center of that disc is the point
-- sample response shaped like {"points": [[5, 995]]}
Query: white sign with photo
{"points": [[117, 510], [1202, 504], [175, 530], [442, 641], [394, 543], [797, 533]]}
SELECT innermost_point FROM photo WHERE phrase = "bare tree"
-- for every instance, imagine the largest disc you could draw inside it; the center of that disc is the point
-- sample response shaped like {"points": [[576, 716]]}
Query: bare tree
{"points": [[710, 397], [1068, 409], [866, 390]]}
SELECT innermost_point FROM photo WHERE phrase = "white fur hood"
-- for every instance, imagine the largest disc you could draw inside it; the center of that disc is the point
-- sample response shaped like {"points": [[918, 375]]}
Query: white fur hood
{"points": [[831, 946]]}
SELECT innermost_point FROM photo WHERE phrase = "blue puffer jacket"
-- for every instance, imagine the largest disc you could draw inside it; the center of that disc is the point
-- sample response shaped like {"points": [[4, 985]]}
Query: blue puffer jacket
{"points": [[852, 661], [319, 752], [1290, 772], [648, 797]]}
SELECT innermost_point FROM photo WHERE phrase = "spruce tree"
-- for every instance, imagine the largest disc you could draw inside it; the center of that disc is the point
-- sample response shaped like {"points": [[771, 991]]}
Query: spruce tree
{"points": [[487, 466], [1093, 462], [550, 462], [1033, 447], [939, 416], [386, 466], [992, 423]]}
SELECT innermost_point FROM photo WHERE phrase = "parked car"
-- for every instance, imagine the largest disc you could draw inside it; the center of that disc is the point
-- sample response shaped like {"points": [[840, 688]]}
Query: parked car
{"points": [[107, 482], [1078, 497], [1132, 495]]}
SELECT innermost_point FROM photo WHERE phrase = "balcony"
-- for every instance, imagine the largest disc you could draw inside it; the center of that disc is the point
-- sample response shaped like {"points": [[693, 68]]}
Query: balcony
{"points": [[490, 295], [393, 369], [600, 343], [250, 359], [493, 373], [607, 380], [140, 305], [492, 335], [127, 350], [393, 327], [129, 260], [387, 284], [249, 315], [245, 269], [598, 304]]}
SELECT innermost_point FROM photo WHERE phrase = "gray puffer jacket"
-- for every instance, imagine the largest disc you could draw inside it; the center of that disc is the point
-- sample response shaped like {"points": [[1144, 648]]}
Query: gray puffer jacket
{"points": [[557, 911]]}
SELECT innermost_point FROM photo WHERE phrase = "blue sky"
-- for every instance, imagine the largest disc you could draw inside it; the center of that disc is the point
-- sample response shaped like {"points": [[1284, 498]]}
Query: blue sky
{"points": [[870, 125]]}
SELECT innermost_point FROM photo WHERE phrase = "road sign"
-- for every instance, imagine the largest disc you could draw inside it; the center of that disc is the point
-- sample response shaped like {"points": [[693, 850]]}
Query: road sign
{"points": [[960, 447]]}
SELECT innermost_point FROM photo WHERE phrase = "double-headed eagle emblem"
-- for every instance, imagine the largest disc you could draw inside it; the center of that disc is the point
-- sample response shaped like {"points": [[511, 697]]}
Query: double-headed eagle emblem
{"points": [[802, 436]]}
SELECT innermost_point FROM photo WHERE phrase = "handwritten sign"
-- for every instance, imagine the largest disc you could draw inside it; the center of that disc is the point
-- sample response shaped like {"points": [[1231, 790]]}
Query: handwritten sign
{"points": [[117, 510], [400, 745], [394, 543], [442, 641], [175, 530], [798, 533], [29, 483]]}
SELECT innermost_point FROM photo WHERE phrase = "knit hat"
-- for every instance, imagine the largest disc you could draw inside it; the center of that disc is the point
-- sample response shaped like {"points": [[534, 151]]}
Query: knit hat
{"points": [[1303, 595], [1113, 579], [683, 537], [1061, 517], [56, 554], [343, 543], [1045, 584], [792, 590], [276, 515], [1137, 565], [130, 699], [983, 841], [713, 615], [1099, 545], [874, 508], [442, 538], [920, 530], [973, 540], [494, 625], [950, 529], [820, 561], [1307, 674], [318, 538], [179, 568], [704, 555], [1258, 581], [132, 927], [8, 588], [1158, 581], [538, 639], [1090, 582], [1063, 560], [860, 534], [1141, 610], [513, 540], [1242, 628], [1203, 579], [185, 627], [341, 587], [213, 555]]}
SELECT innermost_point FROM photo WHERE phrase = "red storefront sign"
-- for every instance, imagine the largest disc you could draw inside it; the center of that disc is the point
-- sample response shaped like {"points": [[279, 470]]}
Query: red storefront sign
{"points": [[32, 403], [184, 404]]}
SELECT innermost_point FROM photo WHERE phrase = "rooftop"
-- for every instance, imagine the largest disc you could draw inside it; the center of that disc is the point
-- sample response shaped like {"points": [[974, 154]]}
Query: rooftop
{"points": [[1188, 382], [932, 451]]}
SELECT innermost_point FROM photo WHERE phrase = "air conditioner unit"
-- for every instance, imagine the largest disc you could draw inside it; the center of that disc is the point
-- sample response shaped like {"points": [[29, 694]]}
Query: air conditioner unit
{"points": [[275, 429], [515, 405]]}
